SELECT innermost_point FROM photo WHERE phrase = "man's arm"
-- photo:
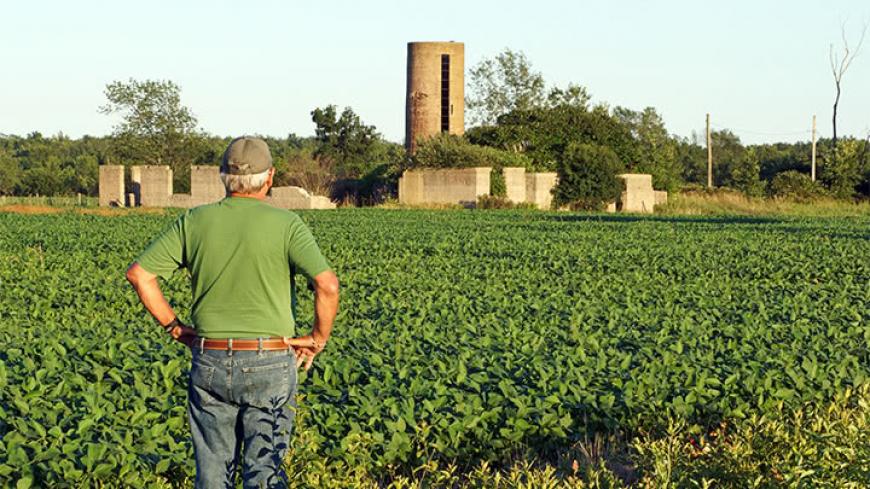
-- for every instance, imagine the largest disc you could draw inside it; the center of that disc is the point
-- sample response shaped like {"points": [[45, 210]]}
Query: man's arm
{"points": [[152, 298], [325, 306], [326, 295]]}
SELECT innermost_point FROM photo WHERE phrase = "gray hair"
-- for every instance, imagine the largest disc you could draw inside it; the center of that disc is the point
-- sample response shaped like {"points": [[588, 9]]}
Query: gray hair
{"points": [[244, 184]]}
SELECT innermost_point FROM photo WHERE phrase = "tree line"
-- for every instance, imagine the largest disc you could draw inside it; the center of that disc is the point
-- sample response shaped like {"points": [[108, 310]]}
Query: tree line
{"points": [[517, 121]]}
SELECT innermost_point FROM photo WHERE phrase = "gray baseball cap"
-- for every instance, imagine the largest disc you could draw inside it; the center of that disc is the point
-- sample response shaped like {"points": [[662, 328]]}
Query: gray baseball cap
{"points": [[246, 156]]}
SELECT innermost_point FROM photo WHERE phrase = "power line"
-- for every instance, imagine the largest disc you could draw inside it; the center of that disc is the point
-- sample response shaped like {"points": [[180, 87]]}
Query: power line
{"points": [[762, 133]]}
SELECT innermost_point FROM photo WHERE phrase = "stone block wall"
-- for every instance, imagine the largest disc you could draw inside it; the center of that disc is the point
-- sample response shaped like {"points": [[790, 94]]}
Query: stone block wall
{"points": [[298, 198], [515, 182], [206, 185], [638, 195], [539, 189], [661, 197], [152, 185], [449, 186], [112, 185]]}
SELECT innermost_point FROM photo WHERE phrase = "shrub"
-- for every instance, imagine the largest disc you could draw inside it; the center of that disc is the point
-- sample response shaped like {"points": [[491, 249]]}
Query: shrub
{"points": [[450, 151], [796, 186], [500, 202], [587, 177]]}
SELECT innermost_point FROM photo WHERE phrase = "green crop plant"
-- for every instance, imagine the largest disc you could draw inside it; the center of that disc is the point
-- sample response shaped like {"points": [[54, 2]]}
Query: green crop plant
{"points": [[465, 339]]}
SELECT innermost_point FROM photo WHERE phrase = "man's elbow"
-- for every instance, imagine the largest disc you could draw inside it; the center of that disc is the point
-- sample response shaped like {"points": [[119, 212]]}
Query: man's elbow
{"points": [[133, 275]]}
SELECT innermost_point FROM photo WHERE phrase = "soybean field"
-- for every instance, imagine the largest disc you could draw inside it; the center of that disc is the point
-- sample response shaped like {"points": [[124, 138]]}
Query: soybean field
{"points": [[463, 335]]}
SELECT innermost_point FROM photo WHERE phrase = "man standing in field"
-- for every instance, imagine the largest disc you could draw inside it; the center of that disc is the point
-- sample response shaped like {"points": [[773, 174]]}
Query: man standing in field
{"points": [[241, 254]]}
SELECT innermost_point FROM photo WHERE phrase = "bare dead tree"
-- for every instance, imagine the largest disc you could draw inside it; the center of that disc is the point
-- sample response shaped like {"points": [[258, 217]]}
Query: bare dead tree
{"points": [[839, 65]]}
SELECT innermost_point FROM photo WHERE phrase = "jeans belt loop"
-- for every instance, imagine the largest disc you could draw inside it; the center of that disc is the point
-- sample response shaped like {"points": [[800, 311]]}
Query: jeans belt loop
{"points": [[201, 345], [260, 346], [230, 347]]}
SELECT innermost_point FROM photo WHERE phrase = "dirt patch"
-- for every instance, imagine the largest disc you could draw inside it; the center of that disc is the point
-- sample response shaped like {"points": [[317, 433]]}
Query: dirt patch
{"points": [[120, 211], [30, 209], [91, 211]]}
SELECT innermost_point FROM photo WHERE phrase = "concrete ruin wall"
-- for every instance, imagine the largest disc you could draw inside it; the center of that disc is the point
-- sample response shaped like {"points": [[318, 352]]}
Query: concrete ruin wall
{"points": [[112, 185], [515, 182], [638, 195], [539, 189], [661, 197], [206, 185], [152, 187], [298, 198], [450, 186]]}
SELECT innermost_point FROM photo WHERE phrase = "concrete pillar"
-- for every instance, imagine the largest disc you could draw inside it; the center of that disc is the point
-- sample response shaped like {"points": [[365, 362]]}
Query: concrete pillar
{"points": [[661, 197], [435, 91], [111, 185], [515, 181], [152, 184], [539, 189], [638, 195], [450, 186], [205, 184], [297, 198]]}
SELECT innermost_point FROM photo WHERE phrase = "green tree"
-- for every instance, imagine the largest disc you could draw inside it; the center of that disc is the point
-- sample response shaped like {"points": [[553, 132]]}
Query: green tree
{"points": [[728, 151], [656, 151], [503, 84], [10, 173], [354, 147], [745, 172], [366, 167], [841, 170], [587, 177], [155, 127], [543, 134], [508, 83]]}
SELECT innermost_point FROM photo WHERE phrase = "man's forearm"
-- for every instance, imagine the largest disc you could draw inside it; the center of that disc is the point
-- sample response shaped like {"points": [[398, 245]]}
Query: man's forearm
{"points": [[325, 306]]}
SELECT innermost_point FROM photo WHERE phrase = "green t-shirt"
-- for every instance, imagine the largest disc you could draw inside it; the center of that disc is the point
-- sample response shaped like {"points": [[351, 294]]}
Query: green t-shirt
{"points": [[241, 254]]}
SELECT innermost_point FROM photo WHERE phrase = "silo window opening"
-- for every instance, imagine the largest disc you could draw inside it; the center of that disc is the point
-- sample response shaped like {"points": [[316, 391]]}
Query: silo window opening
{"points": [[445, 93]]}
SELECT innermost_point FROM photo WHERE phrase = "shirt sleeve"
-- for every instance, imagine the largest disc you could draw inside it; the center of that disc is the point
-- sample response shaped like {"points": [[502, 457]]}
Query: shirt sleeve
{"points": [[166, 253], [302, 250]]}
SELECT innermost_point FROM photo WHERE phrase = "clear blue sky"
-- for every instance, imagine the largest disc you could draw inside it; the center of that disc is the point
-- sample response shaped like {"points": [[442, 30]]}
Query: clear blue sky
{"points": [[759, 67]]}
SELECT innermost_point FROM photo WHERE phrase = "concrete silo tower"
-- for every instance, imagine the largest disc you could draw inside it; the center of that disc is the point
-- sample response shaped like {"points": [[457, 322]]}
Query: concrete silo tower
{"points": [[436, 91]]}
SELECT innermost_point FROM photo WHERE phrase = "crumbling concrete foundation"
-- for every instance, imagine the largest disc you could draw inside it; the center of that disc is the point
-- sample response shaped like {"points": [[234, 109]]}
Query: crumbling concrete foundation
{"points": [[515, 183], [112, 185], [638, 195], [450, 186], [152, 185], [539, 189]]}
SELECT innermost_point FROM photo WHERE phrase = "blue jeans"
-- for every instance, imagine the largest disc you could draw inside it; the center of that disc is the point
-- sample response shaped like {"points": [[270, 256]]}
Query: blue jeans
{"points": [[241, 404]]}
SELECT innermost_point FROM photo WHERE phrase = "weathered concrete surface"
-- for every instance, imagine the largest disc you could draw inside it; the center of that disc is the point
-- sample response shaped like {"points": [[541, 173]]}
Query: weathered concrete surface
{"points": [[152, 185], [515, 181], [611, 207], [424, 91], [638, 195], [298, 198], [206, 185], [184, 201], [449, 186], [112, 185], [539, 189], [661, 197]]}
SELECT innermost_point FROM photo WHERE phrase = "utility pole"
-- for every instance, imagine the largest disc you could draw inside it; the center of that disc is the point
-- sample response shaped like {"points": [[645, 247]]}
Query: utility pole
{"points": [[813, 168], [709, 155]]}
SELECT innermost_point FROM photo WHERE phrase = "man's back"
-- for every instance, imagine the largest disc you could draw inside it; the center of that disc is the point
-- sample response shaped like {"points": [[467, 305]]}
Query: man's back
{"points": [[240, 253]]}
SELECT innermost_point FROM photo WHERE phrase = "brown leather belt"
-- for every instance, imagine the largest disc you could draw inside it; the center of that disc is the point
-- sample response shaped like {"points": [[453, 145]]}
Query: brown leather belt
{"points": [[245, 345]]}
